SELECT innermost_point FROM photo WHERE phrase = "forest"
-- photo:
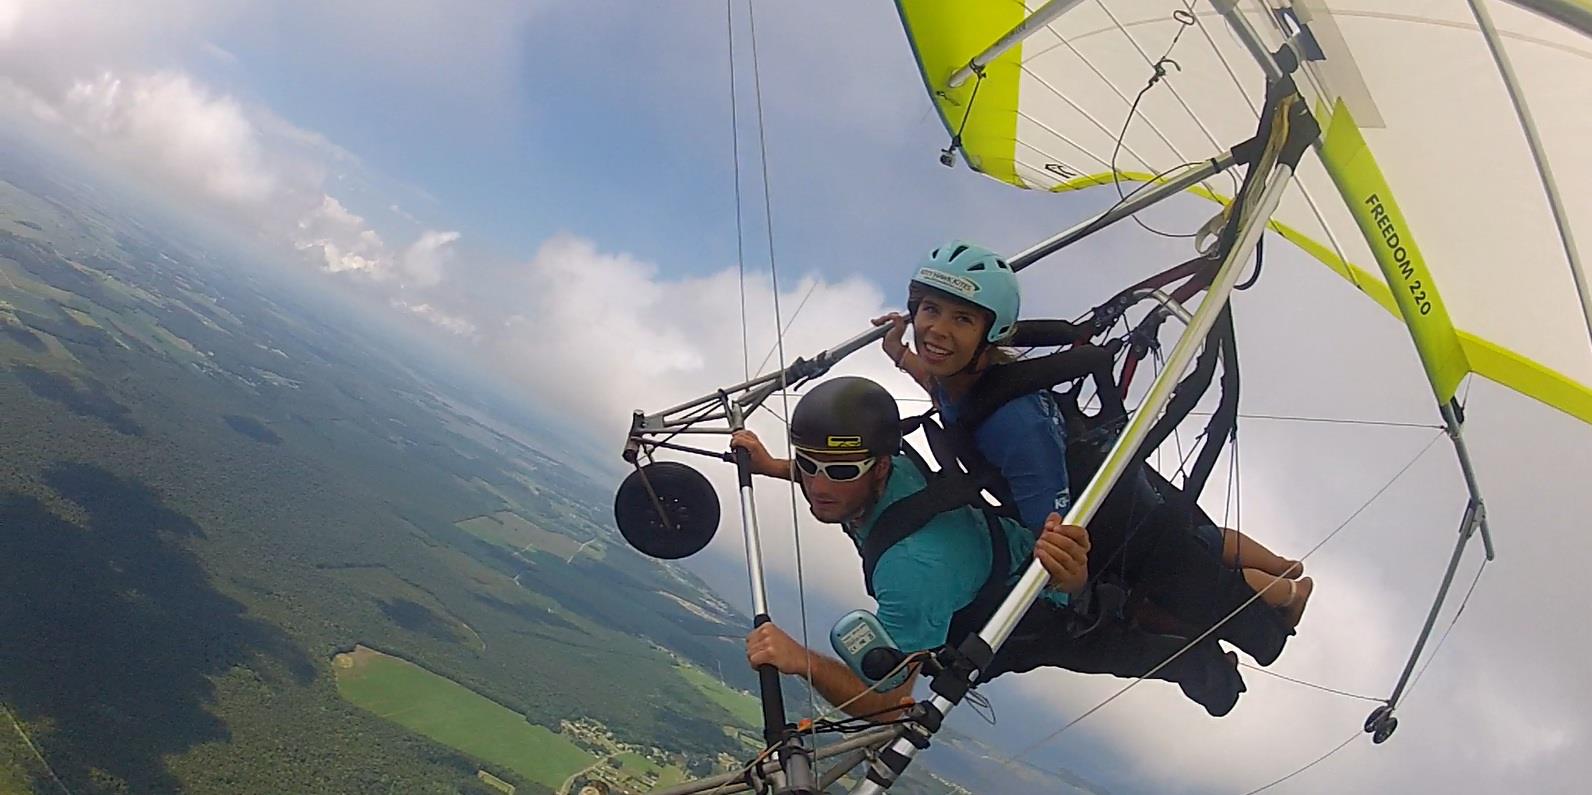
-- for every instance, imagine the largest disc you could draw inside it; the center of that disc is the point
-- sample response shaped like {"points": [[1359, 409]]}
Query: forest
{"points": [[207, 489]]}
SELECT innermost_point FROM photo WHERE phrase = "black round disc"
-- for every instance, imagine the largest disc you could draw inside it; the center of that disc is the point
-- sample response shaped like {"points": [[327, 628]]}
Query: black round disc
{"points": [[690, 510]]}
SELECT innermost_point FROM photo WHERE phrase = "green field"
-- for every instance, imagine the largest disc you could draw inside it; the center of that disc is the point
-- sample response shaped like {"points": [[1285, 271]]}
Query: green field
{"points": [[457, 717], [13, 781], [512, 531], [637, 767], [745, 708]]}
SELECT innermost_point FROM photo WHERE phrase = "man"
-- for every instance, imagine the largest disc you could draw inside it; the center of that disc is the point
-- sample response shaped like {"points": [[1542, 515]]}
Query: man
{"points": [[944, 578]]}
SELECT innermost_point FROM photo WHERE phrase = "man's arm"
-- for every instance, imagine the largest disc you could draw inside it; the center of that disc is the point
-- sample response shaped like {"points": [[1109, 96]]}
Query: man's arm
{"points": [[762, 462], [769, 645], [838, 684]]}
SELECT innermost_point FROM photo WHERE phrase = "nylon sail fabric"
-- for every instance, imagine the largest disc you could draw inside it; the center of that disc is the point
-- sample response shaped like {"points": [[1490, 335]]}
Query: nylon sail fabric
{"points": [[1423, 161]]}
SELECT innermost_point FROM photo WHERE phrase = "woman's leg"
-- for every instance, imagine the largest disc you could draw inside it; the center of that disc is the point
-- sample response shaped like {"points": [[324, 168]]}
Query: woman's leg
{"points": [[1241, 551], [1288, 596]]}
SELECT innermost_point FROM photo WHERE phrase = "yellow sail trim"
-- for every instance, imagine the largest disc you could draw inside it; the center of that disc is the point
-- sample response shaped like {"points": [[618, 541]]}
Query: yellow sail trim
{"points": [[1527, 377], [944, 37], [1482, 357]]}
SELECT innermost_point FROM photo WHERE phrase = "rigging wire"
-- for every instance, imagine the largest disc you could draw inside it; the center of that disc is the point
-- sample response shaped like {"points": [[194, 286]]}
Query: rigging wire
{"points": [[1237, 483], [982, 706], [779, 340], [1455, 620], [948, 154], [1195, 641], [790, 321], [1318, 760], [1177, 433], [1436, 648], [1333, 420], [1230, 514], [735, 154], [1315, 209], [1159, 73], [914, 659], [1312, 685]]}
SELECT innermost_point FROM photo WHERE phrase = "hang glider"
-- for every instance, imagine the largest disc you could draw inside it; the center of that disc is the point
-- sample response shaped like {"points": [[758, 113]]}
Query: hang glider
{"points": [[1431, 154]]}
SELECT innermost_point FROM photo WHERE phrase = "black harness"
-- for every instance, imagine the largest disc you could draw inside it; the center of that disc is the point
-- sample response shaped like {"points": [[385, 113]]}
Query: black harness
{"points": [[945, 492], [966, 476]]}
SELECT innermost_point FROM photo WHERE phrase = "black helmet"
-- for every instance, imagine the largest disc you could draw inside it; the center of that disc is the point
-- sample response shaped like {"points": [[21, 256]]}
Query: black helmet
{"points": [[847, 415]]}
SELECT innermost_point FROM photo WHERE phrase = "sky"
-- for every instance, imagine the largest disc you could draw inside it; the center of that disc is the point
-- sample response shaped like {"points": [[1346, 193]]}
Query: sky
{"points": [[548, 189]]}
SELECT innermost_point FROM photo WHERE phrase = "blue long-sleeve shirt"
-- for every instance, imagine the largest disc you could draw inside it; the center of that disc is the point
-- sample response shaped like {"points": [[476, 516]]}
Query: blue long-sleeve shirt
{"points": [[1026, 440]]}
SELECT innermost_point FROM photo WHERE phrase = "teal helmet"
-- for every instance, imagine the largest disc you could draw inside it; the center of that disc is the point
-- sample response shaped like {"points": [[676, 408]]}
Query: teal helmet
{"points": [[978, 276]]}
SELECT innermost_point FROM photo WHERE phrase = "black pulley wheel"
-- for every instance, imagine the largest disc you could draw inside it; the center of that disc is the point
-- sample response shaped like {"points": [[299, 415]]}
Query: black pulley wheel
{"points": [[667, 510], [1385, 729], [1376, 717]]}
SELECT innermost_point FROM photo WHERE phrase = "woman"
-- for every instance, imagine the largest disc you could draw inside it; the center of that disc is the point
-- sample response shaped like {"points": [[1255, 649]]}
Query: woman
{"points": [[963, 304]]}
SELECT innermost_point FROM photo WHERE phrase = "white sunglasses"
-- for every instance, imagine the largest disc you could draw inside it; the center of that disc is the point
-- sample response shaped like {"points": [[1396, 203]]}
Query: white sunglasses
{"points": [[837, 471]]}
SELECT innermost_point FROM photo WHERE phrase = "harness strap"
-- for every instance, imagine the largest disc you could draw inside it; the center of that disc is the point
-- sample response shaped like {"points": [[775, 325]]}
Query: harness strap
{"points": [[910, 514]]}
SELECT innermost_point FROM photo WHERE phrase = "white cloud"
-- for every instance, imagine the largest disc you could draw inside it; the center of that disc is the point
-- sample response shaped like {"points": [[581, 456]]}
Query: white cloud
{"points": [[166, 126], [343, 240], [10, 17], [612, 329], [237, 163], [84, 67], [47, 45], [228, 161], [219, 53], [27, 104], [452, 324], [426, 258]]}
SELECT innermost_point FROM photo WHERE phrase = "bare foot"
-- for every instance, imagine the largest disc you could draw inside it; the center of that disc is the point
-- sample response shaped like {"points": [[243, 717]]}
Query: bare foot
{"points": [[1298, 595]]}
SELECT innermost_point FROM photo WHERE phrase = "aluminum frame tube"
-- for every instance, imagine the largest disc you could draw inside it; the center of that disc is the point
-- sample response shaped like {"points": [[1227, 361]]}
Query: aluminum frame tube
{"points": [[1028, 27], [1168, 186], [860, 742], [1467, 527], [1539, 155], [1566, 12], [1249, 37], [1456, 433], [749, 529], [1126, 448], [1167, 302]]}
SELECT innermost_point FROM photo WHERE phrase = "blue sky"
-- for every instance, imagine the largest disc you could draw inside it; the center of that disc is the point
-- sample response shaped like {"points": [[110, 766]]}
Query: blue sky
{"points": [[563, 177], [548, 131]]}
